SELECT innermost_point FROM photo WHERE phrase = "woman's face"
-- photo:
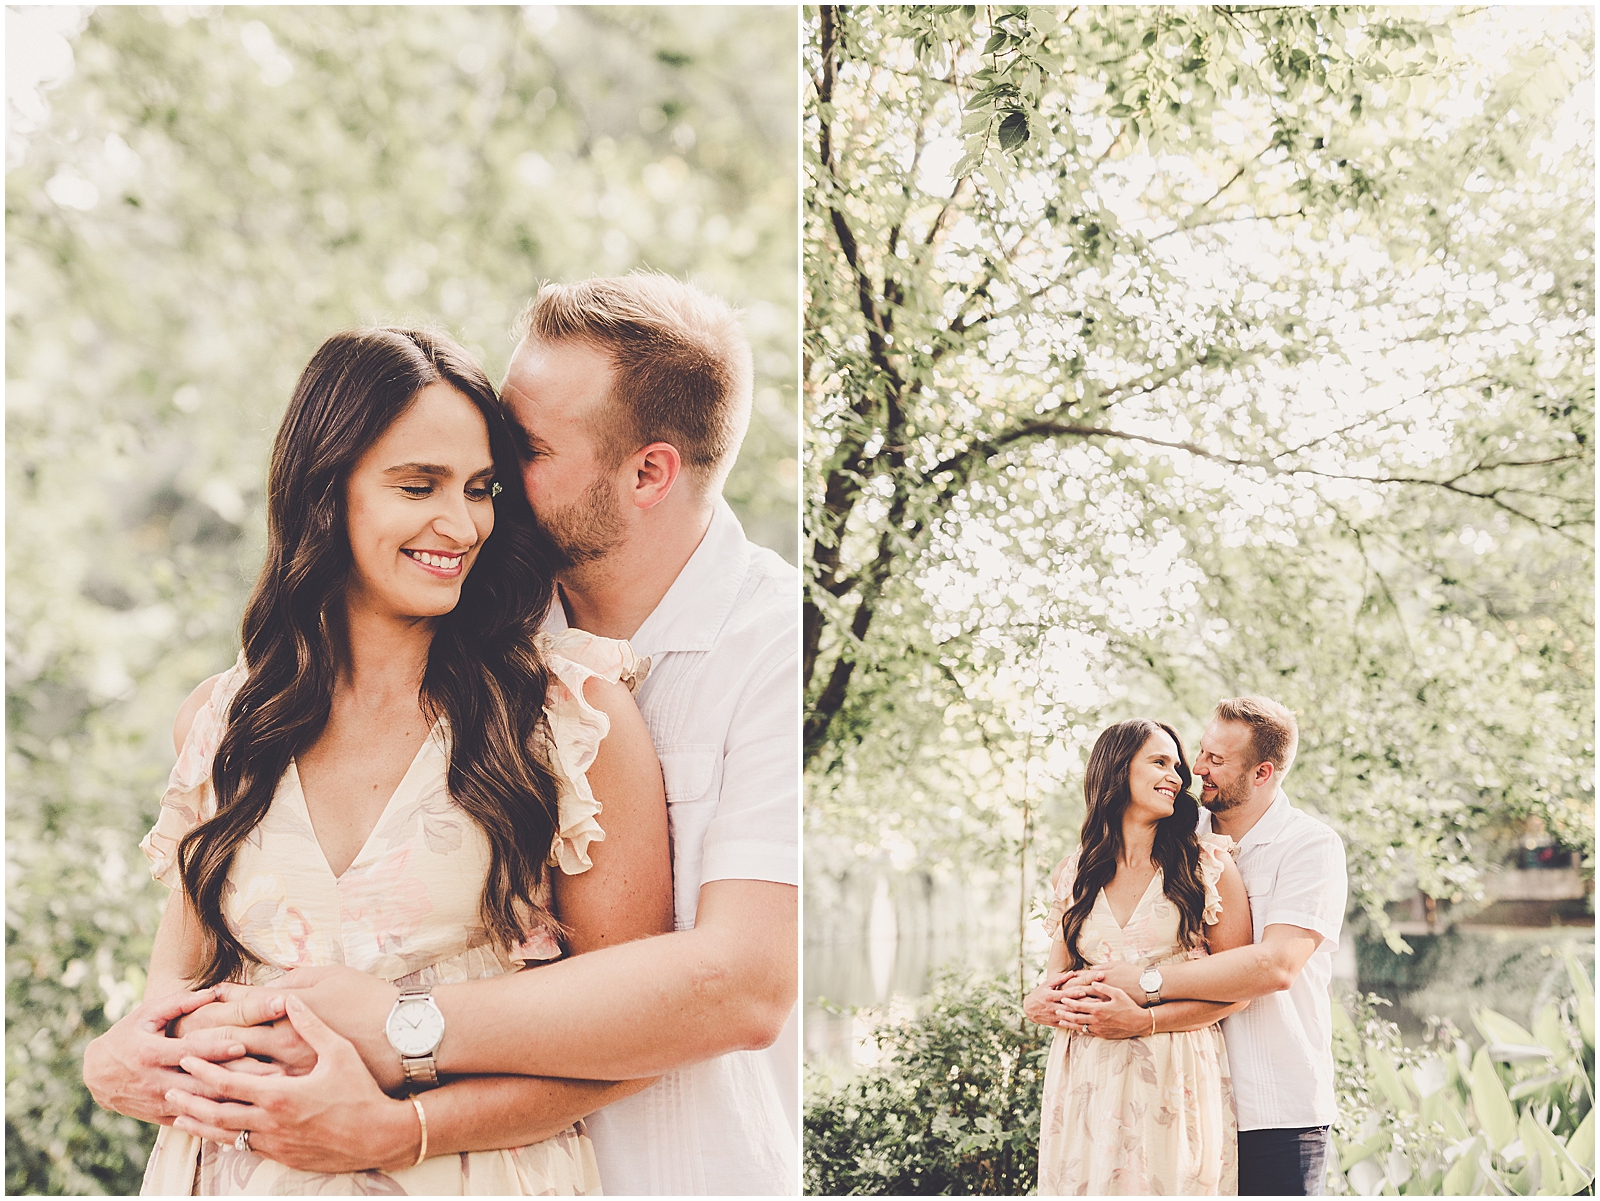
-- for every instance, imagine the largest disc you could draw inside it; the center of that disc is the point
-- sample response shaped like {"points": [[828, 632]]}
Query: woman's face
{"points": [[418, 505], [1153, 779]]}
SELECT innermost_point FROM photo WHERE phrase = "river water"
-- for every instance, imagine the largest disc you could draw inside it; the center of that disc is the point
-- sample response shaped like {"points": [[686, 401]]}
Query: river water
{"points": [[874, 940]]}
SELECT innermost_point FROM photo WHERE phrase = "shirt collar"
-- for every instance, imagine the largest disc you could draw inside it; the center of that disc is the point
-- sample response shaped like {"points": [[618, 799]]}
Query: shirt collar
{"points": [[1269, 826], [699, 601]]}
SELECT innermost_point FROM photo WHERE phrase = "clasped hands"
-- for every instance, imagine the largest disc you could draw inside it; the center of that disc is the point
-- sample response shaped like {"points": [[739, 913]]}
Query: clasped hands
{"points": [[1097, 1001], [220, 1060]]}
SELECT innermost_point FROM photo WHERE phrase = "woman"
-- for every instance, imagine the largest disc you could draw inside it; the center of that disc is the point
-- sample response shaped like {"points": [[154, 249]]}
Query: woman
{"points": [[1150, 1114], [401, 773]]}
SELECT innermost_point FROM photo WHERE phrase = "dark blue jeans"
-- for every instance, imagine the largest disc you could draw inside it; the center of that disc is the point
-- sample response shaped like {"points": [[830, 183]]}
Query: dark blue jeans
{"points": [[1283, 1163]]}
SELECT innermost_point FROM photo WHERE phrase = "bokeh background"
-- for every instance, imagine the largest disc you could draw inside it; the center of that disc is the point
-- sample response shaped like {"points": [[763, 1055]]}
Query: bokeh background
{"points": [[195, 198]]}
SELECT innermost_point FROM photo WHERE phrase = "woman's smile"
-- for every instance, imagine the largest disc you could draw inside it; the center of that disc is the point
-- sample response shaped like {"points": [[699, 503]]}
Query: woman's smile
{"points": [[444, 564]]}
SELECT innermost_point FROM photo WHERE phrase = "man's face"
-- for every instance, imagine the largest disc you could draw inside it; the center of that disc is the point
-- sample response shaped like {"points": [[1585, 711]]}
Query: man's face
{"points": [[558, 393], [1226, 765]]}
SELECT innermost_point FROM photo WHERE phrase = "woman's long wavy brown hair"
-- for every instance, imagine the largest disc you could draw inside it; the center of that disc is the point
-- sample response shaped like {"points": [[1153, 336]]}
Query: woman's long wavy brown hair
{"points": [[1177, 847], [484, 674]]}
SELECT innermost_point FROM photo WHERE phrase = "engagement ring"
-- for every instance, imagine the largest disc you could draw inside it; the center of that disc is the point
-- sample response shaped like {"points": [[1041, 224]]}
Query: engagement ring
{"points": [[242, 1143]]}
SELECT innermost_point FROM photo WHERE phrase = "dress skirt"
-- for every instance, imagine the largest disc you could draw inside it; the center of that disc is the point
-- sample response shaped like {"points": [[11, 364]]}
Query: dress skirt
{"points": [[1138, 1117]]}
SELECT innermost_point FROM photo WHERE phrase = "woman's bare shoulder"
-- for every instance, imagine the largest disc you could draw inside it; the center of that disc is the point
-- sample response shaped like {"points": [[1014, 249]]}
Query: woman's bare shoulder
{"points": [[192, 706], [608, 696]]}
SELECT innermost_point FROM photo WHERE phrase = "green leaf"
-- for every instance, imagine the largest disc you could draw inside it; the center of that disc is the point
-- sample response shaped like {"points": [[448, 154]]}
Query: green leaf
{"points": [[1383, 1071], [976, 120], [1580, 1144], [1490, 1104], [1540, 1144], [1583, 989], [1462, 1178], [1547, 1029], [1441, 1107], [1014, 130], [1365, 1149], [1499, 1029]]}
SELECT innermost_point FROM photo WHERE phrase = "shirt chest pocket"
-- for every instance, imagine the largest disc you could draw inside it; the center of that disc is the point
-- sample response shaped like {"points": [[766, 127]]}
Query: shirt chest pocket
{"points": [[690, 772], [1258, 891]]}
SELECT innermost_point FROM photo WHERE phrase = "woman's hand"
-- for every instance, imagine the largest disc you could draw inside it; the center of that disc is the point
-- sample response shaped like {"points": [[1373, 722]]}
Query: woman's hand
{"points": [[354, 1003], [1104, 1012], [1046, 1006], [253, 1019], [334, 1119]]}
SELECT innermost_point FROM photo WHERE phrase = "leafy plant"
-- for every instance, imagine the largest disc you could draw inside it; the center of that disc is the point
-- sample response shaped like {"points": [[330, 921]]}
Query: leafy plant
{"points": [[1514, 1116]]}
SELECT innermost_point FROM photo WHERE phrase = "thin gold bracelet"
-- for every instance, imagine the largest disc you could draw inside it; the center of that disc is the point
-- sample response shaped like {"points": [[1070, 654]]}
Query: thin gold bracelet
{"points": [[1152, 1019], [422, 1120]]}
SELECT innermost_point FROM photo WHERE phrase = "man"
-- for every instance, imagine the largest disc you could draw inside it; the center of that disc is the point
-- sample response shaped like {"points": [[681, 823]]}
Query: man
{"points": [[1280, 1048], [633, 395]]}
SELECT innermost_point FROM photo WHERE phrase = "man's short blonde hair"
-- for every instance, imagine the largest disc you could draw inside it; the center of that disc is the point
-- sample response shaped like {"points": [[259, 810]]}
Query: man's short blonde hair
{"points": [[1274, 734], [681, 358]]}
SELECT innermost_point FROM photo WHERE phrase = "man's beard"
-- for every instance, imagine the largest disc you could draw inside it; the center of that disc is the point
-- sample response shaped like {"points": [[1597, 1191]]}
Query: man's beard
{"points": [[1228, 797], [588, 529]]}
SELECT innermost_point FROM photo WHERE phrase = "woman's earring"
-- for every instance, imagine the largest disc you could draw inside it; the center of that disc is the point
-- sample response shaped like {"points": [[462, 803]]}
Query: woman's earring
{"points": [[495, 490]]}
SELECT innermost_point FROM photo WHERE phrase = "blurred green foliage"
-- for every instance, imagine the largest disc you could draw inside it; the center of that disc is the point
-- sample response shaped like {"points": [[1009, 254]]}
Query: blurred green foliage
{"points": [[213, 192]]}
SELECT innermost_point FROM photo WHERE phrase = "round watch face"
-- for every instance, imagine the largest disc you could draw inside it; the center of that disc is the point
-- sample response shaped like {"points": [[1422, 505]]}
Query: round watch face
{"points": [[1150, 980], [415, 1027]]}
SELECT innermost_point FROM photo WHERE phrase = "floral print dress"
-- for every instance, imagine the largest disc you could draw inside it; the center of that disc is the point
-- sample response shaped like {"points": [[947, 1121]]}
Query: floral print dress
{"points": [[406, 909], [1138, 1116]]}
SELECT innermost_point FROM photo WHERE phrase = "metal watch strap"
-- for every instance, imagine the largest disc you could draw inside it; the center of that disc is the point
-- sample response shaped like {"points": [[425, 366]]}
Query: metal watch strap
{"points": [[421, 1072]]}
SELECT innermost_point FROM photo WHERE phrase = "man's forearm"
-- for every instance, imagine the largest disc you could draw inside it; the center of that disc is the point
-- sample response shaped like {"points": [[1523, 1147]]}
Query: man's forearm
{"points": [[624, 1012], [1241, 974], [618, 1013]]}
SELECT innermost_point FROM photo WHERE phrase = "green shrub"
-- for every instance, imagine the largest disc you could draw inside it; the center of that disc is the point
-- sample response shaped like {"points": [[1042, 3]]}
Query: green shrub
{"points": [[952, 1110]]}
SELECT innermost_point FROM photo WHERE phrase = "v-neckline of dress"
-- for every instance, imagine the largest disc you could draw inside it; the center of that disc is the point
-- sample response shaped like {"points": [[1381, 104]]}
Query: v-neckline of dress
{"points": [[1137, 905], [299, 792]]}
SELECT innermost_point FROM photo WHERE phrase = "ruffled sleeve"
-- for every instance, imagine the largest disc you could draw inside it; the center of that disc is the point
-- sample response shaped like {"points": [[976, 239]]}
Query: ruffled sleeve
{"points": [[189, 799], [1060, 895], [1214, 850], [576, 728]]}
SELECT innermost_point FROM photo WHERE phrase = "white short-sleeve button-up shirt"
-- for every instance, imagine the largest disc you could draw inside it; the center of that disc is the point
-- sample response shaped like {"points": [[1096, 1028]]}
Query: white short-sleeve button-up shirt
{"points": [[1280, 1049], [722, 703]]}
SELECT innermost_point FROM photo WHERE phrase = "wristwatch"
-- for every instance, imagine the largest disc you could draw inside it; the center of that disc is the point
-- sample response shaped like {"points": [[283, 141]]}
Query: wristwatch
{"points": [[1150, 981], [415, 1028]]}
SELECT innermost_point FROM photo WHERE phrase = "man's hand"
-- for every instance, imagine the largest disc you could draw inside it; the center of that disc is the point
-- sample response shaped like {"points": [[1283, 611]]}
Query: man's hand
{"points": [[131, 1066], [335, 1119], [355, 1006], [252, 1018], [1107, 1012], [1043, 1005]]}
